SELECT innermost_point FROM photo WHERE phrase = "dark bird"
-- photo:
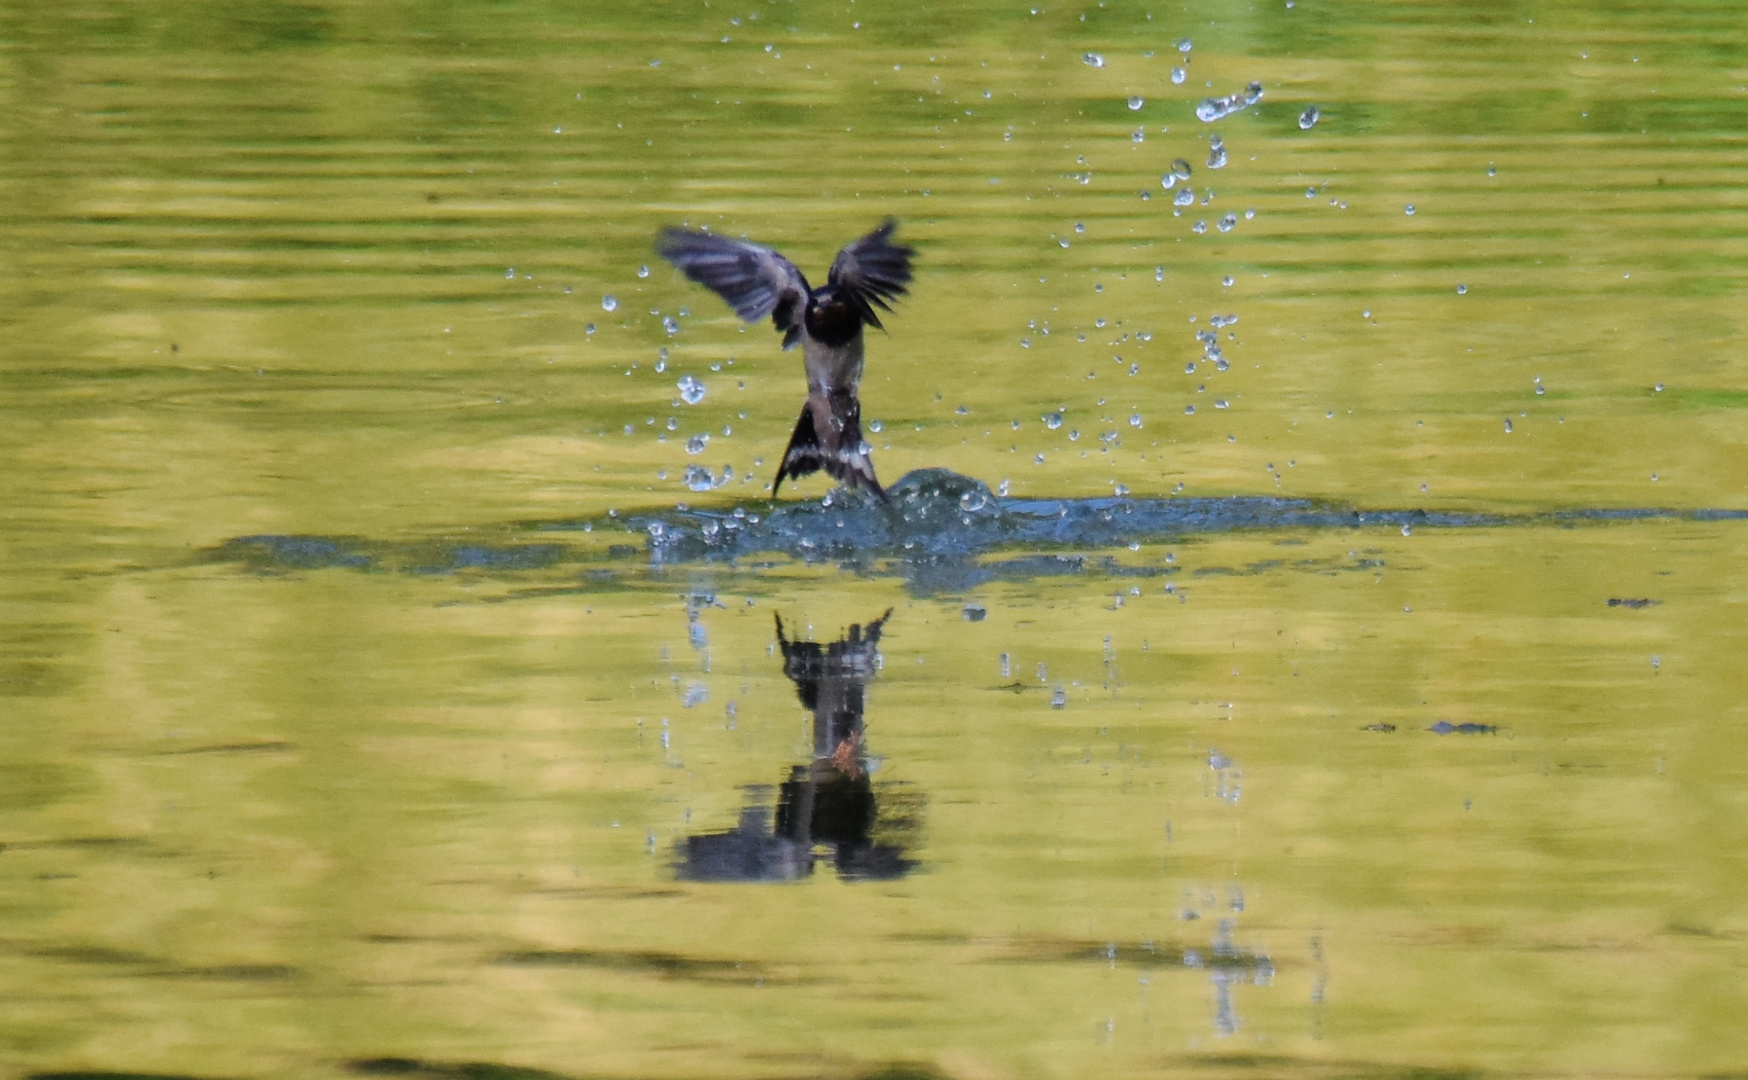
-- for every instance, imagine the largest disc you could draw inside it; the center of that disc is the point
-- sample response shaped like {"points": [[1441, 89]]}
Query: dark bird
{"points": [[826, 322]]}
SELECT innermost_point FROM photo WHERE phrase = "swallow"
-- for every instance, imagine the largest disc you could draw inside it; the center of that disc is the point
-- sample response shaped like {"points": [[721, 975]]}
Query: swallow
{"points": [[826, 322]]}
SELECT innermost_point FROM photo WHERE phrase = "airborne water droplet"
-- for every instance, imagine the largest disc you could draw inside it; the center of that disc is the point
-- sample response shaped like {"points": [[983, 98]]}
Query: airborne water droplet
{"points": [[1216, 153], [609, 303], [698, 478], [1213, 109]]}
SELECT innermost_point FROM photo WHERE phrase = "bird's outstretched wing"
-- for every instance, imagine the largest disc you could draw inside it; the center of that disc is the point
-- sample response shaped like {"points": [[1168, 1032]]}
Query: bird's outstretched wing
{"points": [[755, 281], [872, 271]]}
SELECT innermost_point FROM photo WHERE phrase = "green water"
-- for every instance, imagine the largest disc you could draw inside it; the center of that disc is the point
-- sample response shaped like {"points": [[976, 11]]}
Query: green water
{"points": [[413, 798]]}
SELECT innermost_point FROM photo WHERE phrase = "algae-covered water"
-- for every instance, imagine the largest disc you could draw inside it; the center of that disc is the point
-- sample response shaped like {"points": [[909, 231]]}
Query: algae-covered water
{"points": [[1305, 639]]}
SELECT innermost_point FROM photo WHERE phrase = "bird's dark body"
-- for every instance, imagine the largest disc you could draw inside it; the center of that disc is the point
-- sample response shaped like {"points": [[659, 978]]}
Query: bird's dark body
{"points": [[827, 322]]}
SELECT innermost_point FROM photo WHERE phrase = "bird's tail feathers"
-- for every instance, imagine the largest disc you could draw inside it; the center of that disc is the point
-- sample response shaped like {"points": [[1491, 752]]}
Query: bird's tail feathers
{"points": [[835, 446]]}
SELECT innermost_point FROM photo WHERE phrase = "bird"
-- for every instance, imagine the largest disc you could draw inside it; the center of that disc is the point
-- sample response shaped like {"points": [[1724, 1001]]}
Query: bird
{"points": [[826, 322]]}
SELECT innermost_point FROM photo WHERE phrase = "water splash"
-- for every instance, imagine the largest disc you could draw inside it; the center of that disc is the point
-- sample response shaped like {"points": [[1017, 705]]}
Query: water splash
{"points": [[1214, 109]]}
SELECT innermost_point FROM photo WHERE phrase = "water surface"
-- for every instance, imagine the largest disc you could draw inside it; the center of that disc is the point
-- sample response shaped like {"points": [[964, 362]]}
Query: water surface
{"points": [[1346, 689]]}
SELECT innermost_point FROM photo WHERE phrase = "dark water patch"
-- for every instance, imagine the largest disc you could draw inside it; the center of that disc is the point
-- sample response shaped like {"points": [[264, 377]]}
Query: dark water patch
{"points": [[232, 973], [942, 532], [74, 843], [269, 554], [903, 1071], [523, 557], [939, 514], [1445, 727], [936, 514], [662, 964], [1634, 604], [272, 746], [447, 1070], [1222, 954], [96, 955]]}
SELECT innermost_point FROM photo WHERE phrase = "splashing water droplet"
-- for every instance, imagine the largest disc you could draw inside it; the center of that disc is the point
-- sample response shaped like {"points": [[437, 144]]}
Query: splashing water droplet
{"points": [[609, 303], [1227, 223], [1093, 59], [1216, 153], [691, 390], [1213, 109], [698, 478], [643, 271], [875, 426], [1178, 75], [697, 443], [1136, 102], [1052, 420], [1308, 119]]}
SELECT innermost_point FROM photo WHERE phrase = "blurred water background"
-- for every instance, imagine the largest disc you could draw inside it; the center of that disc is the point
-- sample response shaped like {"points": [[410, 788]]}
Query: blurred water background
{"points": [[1322, 656]]}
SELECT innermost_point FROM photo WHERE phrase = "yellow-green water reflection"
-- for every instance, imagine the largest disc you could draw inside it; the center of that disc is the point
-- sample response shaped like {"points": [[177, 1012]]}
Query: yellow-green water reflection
{"points": [[1342, 801]]}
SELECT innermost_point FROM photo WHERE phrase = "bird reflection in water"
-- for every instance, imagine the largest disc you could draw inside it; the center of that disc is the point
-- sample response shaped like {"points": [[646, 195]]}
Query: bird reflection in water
{"points": [[828, 805]]}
